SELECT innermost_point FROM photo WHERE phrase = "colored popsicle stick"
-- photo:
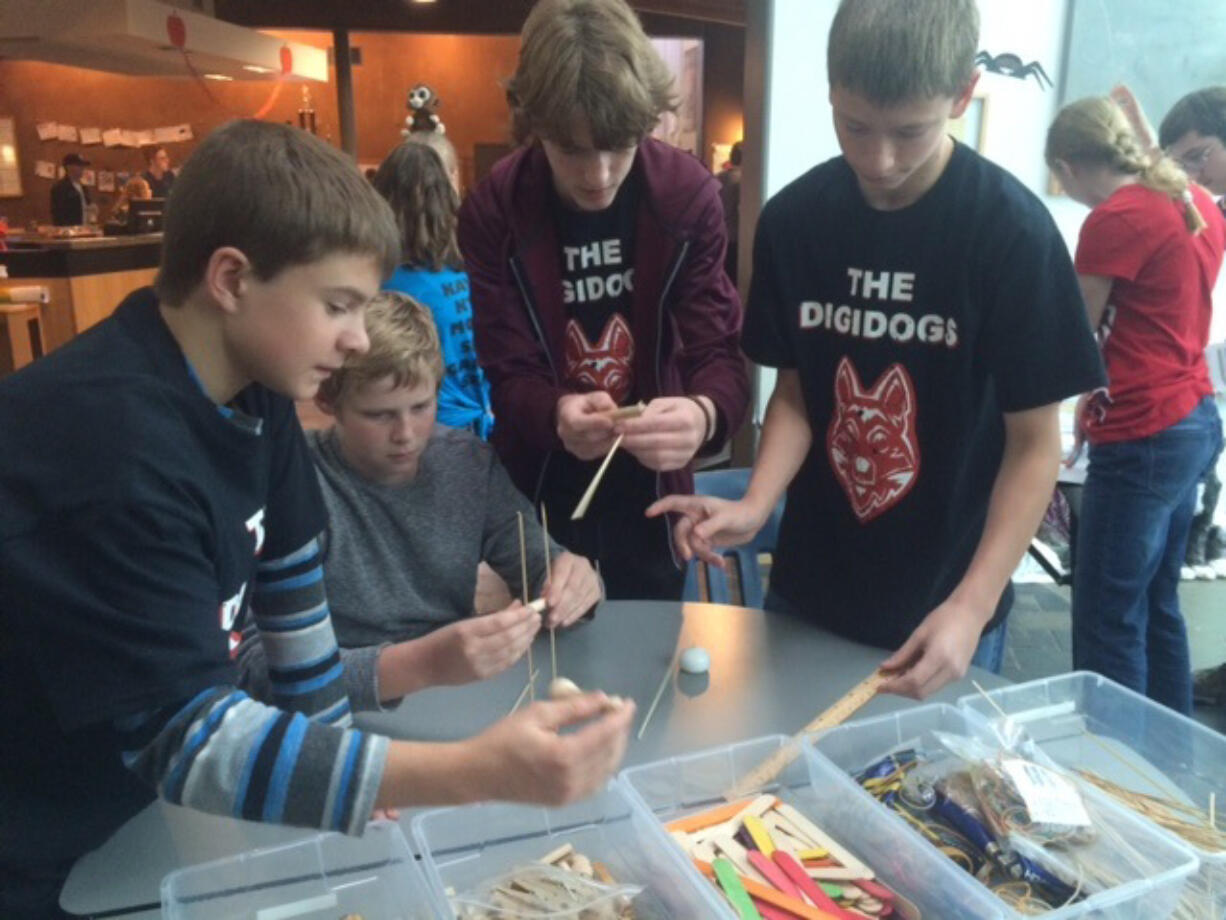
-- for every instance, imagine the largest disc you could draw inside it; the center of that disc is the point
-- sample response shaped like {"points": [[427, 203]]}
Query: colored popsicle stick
{"points": [[717, 815], [796, 872], [773, 874], [766, 893], [770, 912], [730, 881], [759, 834]]}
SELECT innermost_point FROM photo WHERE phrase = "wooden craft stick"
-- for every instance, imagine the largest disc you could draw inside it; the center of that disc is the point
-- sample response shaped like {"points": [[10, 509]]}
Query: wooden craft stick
{"points": [[523, 581], [767, 771], [633, 411], [581, 508], [822, 839], [738, 855], [771, 896], [553, 643]]}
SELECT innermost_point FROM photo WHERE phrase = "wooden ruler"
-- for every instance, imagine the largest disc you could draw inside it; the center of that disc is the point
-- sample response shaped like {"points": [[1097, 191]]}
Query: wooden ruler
{"points": [[769, 769]]}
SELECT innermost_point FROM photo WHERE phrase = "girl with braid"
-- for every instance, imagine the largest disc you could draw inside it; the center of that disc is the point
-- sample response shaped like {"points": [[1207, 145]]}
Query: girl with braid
{"points": [[1147, 259]]}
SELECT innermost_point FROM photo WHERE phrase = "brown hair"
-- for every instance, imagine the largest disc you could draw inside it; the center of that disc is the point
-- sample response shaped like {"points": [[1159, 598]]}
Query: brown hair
{"points": [[404, 345], [1202, 111], [415, 183], [1095, 132], [589, 59], [895, 51], [280, 195]]}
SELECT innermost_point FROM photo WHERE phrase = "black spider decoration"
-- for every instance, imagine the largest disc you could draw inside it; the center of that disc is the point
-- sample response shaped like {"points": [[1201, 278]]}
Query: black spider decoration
{"points": [[1010, 65]]}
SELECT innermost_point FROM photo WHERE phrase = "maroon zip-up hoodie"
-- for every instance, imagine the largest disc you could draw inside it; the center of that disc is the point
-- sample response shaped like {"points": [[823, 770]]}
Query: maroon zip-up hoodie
{"points": [[685, 313]]}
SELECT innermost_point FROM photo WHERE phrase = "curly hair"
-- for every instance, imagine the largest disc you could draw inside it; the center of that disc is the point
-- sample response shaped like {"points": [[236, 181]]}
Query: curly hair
{"points": [[1095, 132], [415, 182]]}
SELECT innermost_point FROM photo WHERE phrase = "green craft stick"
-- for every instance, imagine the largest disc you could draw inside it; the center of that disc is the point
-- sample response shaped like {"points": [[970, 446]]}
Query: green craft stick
{"points": [[730, 881], [834, 891]]}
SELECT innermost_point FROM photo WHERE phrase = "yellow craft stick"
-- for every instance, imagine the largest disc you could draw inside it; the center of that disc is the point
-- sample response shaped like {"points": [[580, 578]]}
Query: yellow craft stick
{"points": [[816, 853], [759, 835]]}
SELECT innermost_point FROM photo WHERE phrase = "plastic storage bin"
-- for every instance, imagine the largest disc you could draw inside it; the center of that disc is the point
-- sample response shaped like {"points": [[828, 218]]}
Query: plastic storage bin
{"points": [[323, 878], [682, 785], [463, 847], [1085, 721], [853, 746]]}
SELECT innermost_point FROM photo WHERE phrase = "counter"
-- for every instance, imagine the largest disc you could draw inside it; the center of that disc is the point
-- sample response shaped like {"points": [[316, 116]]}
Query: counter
{"points": [[86, 276]]}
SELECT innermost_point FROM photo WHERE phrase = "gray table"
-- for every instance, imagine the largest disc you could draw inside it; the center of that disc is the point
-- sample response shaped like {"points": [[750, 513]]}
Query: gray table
{"points": [[769, 674]]}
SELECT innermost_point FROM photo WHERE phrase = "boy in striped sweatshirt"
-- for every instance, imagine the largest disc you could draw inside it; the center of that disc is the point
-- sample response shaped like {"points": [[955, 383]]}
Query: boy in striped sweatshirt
{"points": [[156, 493]]}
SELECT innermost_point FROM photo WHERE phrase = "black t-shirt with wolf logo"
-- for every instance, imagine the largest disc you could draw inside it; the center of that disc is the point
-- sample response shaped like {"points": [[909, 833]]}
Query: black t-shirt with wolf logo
{"points": [[912, 332]]}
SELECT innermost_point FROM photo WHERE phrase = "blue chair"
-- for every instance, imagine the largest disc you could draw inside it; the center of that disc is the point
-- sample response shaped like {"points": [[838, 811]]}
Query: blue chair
{"points": [[732, 484]]}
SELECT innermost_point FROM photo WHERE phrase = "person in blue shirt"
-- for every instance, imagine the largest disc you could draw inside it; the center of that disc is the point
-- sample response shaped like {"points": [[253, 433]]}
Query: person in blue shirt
{"points": [[416, 182]]}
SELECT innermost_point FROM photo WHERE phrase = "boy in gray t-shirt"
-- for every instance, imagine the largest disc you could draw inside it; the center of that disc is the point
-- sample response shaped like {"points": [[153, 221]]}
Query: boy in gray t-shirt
{"points": [[413, 507]]}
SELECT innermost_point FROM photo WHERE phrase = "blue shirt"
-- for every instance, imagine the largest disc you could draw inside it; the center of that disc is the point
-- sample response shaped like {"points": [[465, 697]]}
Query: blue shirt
{"points": [[464, 397]]}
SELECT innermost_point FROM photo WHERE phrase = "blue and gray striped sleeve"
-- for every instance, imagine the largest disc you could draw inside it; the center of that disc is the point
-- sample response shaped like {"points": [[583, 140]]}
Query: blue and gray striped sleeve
{"points": [[296, 762]]}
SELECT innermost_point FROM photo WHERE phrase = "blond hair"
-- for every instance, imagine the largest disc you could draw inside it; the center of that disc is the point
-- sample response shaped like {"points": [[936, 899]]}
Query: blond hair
{"points": [[438, 142], [587, 59], [280, 195], [415, 183], [896, 51], [404, 345], [1096, 132]]}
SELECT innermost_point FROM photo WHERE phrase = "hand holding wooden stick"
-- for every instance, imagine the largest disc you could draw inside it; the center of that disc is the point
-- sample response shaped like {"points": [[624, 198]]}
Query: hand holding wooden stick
{"points": [[553, 643]]}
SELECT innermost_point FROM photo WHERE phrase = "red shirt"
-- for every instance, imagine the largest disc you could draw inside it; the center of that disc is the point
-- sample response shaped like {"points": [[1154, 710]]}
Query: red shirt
{"points": [[1156, 326]]}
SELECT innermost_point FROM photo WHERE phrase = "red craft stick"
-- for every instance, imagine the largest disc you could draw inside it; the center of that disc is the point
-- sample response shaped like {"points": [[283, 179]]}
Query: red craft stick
{"points": [[770, 912], [880, 892], [773, 874], [810, 889]]}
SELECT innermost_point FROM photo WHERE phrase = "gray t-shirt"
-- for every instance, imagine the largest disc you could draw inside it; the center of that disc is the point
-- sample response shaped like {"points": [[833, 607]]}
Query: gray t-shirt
{"points": [[402, 560]]}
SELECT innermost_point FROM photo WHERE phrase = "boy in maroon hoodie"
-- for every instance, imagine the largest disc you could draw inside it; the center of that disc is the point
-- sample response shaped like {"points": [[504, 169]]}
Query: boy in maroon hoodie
{"points": [[596, 258]]}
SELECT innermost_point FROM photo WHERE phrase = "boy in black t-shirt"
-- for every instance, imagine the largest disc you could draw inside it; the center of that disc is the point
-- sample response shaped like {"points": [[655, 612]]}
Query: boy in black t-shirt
{"points": [[926, 322], [156, 490]]}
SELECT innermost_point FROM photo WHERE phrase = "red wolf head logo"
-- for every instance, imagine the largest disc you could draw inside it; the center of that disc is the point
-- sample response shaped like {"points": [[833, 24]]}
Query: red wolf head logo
{"points": [[608, 365], [871, 440]]}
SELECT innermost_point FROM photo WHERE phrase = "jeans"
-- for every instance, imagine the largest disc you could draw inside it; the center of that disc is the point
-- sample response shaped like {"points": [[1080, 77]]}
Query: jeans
{"points": [[1136, 510], [989, 653]]}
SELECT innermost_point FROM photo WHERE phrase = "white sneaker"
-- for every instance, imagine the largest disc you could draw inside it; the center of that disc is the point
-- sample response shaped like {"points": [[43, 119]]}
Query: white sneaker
{"points": [[1219, 566], [1187, 573], [1205, 572]]}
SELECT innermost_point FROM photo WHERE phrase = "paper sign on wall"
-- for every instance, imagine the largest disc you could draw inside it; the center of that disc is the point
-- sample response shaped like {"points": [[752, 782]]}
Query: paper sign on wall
{"points": [[47, 130], [106, 181], [67, 133], [44, 169], [112, 137], [91, 135]]}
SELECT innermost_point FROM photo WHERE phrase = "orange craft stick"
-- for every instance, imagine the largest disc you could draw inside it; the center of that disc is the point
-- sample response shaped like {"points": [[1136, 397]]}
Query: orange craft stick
{"points": [[768, 894], [717, 815]]}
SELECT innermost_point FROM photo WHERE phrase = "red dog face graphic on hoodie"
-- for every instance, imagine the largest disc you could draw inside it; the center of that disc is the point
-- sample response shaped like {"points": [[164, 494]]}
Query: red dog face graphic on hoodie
{"points": [[871, 440]]}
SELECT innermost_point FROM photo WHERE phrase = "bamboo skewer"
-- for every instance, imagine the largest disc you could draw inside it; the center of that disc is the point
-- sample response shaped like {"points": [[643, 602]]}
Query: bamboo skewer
{"points": [[553, 642], [672, 665], [581, 508], [523, 581], [522, 693]]}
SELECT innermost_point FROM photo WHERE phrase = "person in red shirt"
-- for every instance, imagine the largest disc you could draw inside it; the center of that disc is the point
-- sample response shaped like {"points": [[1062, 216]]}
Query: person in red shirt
{"points": [[1147, 259]]}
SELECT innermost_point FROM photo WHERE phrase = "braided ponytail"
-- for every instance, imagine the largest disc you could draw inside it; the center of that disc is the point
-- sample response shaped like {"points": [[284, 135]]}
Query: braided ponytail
{"points": [[1096, 131]]}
